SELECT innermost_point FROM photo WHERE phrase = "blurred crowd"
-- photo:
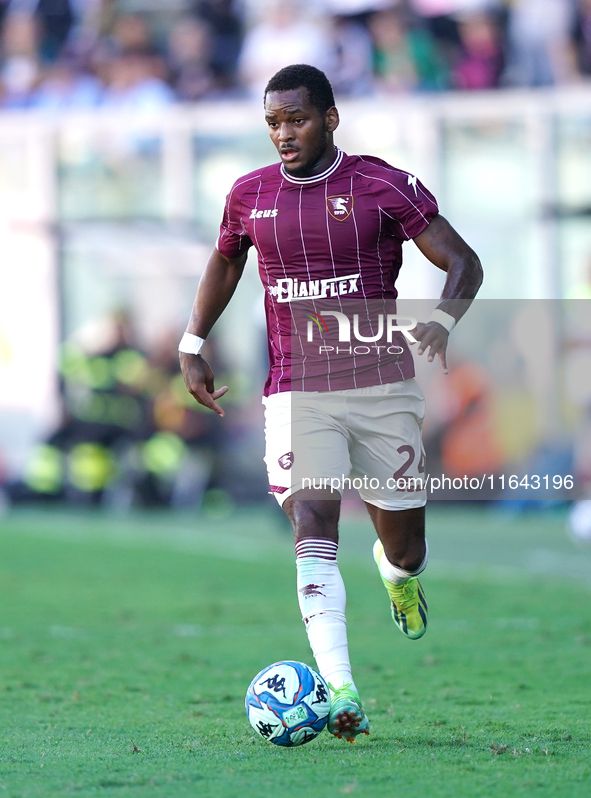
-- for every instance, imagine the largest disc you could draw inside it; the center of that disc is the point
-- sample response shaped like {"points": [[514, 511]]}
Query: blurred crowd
{"points": [[130, 435], [136, 54]]}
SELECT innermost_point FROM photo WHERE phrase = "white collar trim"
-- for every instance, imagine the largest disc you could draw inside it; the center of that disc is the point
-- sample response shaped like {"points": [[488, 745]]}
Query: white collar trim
{"points": [[304, 181]]}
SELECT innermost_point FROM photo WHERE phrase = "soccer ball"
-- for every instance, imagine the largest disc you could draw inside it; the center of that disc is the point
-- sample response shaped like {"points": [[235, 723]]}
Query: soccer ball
{"points": [[288, 703]]}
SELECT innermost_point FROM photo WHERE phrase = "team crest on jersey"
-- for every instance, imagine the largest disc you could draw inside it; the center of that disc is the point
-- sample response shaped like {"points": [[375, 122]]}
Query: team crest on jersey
{"points": [[286, 461], [340, 206]]}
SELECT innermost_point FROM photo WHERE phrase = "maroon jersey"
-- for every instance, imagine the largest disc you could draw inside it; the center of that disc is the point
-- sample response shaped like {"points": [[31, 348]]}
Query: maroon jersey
{"points": [[329, 250]]}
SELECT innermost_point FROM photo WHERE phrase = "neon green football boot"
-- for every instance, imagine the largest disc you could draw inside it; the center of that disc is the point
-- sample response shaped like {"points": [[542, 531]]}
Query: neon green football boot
{"points": [[347, 718], [407, 600]]}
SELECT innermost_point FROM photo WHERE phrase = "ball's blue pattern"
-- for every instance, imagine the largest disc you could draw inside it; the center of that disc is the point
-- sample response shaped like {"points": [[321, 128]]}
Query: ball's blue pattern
{"points": [[281, 688]]}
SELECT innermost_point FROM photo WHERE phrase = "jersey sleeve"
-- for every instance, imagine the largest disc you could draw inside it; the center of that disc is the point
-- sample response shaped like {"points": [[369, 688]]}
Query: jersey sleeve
{"points": [[233, 239], [409, 206]]}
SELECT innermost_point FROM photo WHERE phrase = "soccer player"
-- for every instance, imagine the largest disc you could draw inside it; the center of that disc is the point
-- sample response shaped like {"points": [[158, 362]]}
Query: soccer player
{"points": [[328, 229]]}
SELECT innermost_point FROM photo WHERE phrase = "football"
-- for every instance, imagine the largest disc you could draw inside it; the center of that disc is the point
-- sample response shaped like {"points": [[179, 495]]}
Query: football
{"points": [[288, 703]]}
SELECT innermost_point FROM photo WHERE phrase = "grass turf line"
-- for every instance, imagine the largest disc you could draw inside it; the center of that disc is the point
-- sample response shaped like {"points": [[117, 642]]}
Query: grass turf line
{"points": [[125, 661]]}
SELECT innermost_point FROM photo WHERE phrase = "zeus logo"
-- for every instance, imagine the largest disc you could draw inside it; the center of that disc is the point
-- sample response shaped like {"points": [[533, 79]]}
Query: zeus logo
{"points": [[254, 214], [393, 324]]}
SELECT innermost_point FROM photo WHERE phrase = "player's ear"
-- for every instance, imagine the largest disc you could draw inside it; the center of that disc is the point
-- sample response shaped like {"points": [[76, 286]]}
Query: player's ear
{"points": [[332, 119]]}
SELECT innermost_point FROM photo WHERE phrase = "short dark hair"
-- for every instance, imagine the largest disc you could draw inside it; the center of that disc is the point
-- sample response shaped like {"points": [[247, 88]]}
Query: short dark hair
{"points": [[304, 76]]}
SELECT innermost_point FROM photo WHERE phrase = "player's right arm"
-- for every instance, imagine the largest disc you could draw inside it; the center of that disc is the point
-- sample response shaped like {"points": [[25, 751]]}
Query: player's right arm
{"points": [[216, 288]]}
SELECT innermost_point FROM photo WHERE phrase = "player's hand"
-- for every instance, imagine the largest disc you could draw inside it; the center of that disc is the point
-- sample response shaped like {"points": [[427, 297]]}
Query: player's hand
{"points": [[199, 381], [432, 336]]}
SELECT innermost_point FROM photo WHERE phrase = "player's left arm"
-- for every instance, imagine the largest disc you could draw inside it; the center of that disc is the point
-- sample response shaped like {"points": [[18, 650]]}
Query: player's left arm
{"points": [[444, 247]]}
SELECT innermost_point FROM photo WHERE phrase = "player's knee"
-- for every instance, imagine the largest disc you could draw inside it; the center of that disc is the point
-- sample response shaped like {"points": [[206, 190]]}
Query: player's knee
{"points": [[313, 518], [410, 563], [409, 559]]}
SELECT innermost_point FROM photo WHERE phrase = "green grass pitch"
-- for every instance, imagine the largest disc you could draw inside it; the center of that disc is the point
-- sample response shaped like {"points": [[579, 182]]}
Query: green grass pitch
{"points": [[126, 647]]}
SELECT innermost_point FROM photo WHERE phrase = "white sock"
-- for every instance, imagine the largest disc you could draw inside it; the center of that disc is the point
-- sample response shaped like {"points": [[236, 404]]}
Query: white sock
{"points": [[397, 575], [322, 599]]}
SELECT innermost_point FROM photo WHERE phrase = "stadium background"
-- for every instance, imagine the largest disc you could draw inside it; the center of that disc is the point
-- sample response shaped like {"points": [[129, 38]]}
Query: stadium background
{"points": [[123, 124]]}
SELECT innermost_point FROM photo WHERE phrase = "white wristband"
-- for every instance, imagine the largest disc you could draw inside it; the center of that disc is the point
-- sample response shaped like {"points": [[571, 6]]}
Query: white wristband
{"points": [[445, 319], [191, 344]]}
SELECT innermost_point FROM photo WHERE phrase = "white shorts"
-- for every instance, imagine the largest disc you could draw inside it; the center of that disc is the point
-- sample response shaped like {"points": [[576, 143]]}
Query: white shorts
{"points": [[364, 438]]}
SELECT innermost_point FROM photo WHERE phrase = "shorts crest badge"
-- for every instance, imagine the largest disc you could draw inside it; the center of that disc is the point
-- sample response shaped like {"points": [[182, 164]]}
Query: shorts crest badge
{"points": [[286, 461], [340, 206]]}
